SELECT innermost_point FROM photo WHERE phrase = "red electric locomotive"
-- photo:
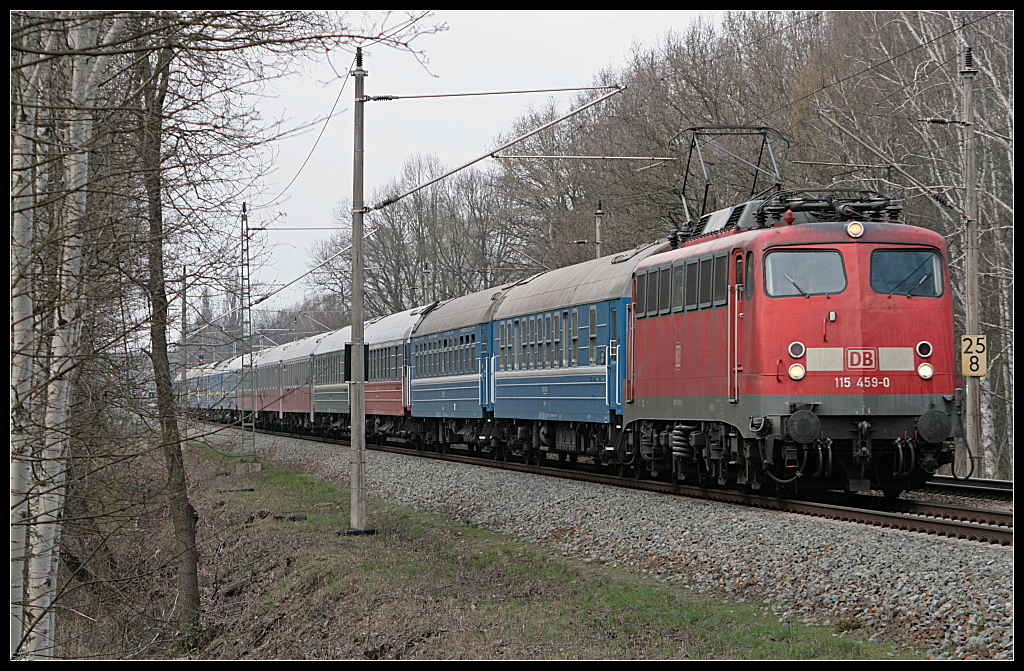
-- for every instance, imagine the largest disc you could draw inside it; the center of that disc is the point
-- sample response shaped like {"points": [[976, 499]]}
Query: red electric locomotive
{"points": [[797, 342]]}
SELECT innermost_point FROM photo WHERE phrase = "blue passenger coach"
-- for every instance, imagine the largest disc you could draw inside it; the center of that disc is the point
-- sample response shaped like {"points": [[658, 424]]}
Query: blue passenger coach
{"points": [[448, 352], [558, 342]]}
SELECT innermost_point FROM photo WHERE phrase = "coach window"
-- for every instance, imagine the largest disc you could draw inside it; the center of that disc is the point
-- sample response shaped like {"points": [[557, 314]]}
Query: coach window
{"points": [[503, 347], [550, 339], [574, 354], [558, 340], [804, 273], [911, 272], [566, 339], [692, 270], [593, 334], [541, 344], [532, 342], [515, 344], [538, 360], [524, 344]]}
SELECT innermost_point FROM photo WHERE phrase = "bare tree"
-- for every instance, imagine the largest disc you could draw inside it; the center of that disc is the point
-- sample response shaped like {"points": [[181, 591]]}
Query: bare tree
{"points": [[135, 131], [445, 241]]}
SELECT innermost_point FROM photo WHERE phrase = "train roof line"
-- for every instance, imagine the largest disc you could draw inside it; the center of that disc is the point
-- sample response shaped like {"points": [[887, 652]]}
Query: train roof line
{"points": [[792, 206]]}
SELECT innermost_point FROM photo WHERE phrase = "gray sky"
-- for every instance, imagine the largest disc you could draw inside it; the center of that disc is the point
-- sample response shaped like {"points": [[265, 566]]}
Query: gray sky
{"points": [[480, 51]]}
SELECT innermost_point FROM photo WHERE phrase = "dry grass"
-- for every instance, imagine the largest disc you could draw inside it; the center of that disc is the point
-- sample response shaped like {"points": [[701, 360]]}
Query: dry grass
{"points": [[425, 587]]}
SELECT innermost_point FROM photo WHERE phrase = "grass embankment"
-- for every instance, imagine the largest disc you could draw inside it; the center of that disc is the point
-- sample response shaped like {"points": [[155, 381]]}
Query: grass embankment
{"points": [[429, 587]]}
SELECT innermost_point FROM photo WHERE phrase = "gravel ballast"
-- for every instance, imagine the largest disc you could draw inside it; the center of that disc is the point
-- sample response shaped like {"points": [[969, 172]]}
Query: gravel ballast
{"points": [[953, 598]]}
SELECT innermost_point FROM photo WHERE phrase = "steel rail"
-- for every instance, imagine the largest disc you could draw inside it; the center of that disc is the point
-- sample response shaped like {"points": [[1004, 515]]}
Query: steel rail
{"points": [[961, 522]]}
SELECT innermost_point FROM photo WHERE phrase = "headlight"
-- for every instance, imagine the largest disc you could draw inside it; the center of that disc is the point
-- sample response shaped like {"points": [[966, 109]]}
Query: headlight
{"points": [[924, 349], [796, 349], [855, 229], [926, 371], [796, 371]]}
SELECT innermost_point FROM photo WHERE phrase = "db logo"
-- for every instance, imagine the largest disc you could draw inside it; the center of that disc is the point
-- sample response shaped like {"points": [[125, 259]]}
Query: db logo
{"points": [[861, 359]]}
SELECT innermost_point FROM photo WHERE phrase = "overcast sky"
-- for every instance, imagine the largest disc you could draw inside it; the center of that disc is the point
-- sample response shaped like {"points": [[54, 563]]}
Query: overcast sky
{"points": [[480, 51]]}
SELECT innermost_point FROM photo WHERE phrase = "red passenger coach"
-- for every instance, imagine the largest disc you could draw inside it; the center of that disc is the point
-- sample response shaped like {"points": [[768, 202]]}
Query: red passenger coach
{"points": [[387, 371], [804, 340]]}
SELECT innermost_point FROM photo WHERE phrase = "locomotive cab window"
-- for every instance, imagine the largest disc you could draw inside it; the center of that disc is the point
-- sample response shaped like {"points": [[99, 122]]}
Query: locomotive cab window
{"points": [[904, 272], [809, 272]]}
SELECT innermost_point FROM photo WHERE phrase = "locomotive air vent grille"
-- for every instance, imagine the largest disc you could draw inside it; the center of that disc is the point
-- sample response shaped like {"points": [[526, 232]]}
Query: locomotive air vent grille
{"points": [[699, 229], [734, 218]]}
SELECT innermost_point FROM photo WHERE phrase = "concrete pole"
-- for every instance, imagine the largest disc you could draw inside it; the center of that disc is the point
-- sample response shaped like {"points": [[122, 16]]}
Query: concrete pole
{"points": [[973, 384], [357, 397]]}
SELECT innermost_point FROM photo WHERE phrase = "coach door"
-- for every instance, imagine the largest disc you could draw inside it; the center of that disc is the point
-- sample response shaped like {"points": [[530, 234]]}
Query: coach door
{"points": [[737, 300]]}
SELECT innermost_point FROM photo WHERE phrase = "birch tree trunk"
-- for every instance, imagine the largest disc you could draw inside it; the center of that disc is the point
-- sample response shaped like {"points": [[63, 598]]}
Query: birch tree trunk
{"points": [[50, 465]]}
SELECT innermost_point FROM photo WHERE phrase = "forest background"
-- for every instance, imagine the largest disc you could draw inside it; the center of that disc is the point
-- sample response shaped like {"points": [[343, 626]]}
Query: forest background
{"points": [[134, 138]]}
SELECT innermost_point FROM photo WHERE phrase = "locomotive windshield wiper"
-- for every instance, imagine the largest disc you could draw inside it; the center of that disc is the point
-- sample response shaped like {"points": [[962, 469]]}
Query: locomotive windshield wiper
{"points": [[796, 285], [912, 272], [923, 278]]}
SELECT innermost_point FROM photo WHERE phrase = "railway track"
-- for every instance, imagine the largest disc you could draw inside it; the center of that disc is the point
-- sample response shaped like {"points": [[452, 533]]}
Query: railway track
{"points": [[1001, 490], [949, 520]]}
